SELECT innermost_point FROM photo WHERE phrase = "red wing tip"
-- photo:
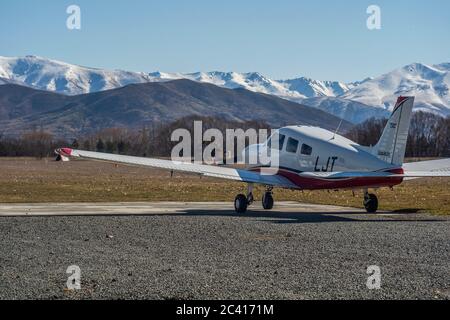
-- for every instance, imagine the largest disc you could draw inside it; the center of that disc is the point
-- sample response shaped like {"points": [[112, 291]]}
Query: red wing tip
{"points": [[66, 151]]}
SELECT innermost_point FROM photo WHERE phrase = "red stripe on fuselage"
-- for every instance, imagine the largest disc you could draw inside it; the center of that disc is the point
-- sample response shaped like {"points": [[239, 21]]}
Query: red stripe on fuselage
{"points": [[307, 183]]}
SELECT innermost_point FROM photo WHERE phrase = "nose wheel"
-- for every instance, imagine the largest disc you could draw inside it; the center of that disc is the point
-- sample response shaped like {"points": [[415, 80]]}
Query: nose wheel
{"points": [[370, 202], [240, 203], [267, 200]]}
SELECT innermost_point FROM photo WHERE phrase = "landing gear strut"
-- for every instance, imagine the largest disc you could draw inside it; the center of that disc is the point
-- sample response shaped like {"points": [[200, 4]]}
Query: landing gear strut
{"points": [[370, 202]]}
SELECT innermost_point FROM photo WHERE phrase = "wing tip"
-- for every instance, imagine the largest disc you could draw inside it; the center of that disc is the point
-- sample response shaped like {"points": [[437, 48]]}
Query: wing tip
{"points": [[64, 152]]}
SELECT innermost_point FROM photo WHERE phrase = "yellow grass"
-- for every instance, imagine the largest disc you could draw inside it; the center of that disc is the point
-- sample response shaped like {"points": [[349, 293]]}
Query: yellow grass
{"points": [[30, 180]]}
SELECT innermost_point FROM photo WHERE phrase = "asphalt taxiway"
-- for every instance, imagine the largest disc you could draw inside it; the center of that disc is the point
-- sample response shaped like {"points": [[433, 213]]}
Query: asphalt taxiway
{"points": [[207, 251]]}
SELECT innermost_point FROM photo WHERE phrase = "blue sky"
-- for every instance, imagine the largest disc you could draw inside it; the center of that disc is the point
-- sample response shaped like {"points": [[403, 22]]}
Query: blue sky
{"points": [[326, 40]]}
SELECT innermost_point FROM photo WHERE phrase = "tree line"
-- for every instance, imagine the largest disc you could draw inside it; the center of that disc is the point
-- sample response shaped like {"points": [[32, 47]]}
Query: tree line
{"points": [[154, 140], [429, 136]]}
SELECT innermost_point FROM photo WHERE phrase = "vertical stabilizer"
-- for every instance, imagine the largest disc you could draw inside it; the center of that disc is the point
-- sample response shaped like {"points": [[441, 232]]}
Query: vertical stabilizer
{"points": [[392, 145]]}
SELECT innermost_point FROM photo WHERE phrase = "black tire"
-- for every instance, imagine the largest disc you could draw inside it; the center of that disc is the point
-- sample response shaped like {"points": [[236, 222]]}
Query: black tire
{"points": [[240, 203], [371, 203], [267, 201]]}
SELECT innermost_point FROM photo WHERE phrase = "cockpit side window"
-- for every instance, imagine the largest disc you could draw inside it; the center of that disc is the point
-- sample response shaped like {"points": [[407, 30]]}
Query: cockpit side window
{"points": [[280, 138], [292, 145], [269, 143], [306, 150], [281, 141]]}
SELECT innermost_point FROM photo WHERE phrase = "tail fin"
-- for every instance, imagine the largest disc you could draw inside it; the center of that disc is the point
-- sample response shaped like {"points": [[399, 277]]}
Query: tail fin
{"points": [[392, 144]]}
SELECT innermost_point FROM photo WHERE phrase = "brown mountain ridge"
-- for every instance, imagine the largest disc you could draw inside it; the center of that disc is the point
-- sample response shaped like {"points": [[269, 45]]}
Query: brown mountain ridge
{"points": [[137, 105]]}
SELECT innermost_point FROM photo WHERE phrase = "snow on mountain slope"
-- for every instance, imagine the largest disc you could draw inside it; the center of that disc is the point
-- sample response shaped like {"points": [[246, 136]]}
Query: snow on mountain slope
{"points": [[4, 81], [9, 81], [62, 77], [310, 88], [71, 79], [357, 100], [429, 84], [294, 89], [252, 81]]}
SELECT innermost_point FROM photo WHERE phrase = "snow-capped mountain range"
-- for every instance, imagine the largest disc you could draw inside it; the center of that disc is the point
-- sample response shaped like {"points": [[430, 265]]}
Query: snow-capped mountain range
{"points": [[429, 84], [293, 89], [354, 102], [61, 77]]}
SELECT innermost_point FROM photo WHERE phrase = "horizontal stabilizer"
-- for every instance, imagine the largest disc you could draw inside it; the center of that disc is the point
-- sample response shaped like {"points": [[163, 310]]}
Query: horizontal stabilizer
{"points": [[442, 165]]}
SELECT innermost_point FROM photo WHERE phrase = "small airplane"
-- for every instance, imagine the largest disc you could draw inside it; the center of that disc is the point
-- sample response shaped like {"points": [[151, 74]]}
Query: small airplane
{"points": [[311, 158]]}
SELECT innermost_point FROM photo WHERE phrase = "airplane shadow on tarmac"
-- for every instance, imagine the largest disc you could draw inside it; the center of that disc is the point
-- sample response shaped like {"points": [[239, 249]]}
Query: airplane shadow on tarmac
{"points": [[307, 217]]}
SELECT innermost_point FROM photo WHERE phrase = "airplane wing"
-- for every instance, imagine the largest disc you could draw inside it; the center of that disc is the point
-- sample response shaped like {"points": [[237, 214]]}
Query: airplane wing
{"points": [[201, 169]]}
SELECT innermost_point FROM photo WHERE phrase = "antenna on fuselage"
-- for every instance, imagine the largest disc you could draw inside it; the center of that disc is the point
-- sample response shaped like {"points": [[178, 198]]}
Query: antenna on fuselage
{"points": [[340, 123], [339, 126]]}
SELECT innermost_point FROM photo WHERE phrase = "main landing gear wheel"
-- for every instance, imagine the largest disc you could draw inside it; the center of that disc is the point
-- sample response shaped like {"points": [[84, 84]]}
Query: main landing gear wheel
{"points": [[240, 203], [267, 201], [370, 202]]}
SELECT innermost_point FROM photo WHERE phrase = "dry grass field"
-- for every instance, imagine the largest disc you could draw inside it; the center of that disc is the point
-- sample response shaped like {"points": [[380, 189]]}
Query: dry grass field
{"points": [[30, 180]]}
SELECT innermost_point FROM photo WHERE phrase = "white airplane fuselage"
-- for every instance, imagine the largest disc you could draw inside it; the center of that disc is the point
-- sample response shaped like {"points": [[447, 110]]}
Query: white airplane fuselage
{"points": [[305, 149]]}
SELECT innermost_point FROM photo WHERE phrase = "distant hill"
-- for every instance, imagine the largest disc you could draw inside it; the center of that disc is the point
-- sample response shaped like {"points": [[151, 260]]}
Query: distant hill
{"points": [[355, 101], [136, 105], [18, 101]]}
